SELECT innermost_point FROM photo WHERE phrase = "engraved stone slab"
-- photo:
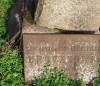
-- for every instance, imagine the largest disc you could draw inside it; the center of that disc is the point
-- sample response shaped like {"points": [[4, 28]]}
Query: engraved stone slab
{"points": [[73, 15], [76, 54]]}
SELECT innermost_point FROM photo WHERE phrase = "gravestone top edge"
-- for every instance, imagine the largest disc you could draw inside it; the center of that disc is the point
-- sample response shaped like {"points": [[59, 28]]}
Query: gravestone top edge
{"points": [[33, 28]]}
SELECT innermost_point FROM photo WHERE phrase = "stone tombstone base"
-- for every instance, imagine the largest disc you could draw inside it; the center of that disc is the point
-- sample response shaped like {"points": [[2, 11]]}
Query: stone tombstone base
{"points": [[78, 55]]}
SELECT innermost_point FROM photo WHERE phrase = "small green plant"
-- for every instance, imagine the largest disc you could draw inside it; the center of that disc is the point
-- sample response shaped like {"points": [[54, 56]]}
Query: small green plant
{"points": [[11, 68], [96, 82], [55, 77]]}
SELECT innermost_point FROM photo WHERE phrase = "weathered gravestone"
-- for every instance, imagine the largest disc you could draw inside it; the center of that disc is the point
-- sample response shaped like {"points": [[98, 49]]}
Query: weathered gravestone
{"points": [[76, 54], [69, 15]]}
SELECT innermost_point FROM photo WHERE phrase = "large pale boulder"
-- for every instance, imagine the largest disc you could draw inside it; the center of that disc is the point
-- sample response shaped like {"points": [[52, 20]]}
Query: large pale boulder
{"points": [[73, 15]]}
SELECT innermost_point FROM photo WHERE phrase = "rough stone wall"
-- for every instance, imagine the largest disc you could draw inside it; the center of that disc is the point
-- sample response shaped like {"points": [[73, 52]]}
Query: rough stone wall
{"points": [[74, 15]]}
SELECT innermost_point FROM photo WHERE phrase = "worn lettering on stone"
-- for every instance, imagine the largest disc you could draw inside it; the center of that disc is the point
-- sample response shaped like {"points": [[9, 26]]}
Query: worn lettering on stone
{"points": [[77, 55]]}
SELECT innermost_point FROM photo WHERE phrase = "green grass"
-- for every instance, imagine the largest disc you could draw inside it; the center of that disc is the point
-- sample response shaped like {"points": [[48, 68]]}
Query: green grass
{"points": [[55, 77], [11, 62], [4, 7], [11, 68]]}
